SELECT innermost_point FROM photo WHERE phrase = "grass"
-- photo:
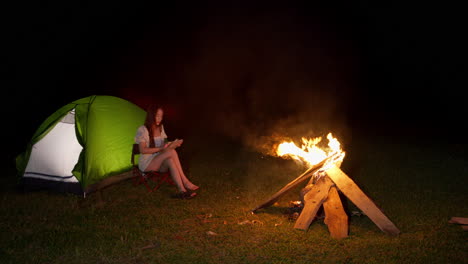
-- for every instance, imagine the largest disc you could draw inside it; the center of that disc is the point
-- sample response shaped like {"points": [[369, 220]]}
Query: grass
{"points": [[418, 187]]}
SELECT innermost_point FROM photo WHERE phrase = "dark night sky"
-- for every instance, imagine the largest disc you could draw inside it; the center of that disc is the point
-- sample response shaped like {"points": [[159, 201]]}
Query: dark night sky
{"points": [[245, 68]]}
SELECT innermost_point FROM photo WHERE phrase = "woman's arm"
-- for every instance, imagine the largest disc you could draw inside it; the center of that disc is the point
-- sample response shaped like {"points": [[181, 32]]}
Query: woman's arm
{"points": [[146, 150], [175, 144]]}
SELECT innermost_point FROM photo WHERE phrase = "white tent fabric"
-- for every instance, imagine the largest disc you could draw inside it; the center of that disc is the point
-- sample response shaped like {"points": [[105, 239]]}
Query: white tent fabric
{"points": [[54, 156]]}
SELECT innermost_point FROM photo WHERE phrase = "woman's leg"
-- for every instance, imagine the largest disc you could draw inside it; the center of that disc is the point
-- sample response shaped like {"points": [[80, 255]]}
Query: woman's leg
{"points": [[174, 171], [187, 183], [163, 162]]}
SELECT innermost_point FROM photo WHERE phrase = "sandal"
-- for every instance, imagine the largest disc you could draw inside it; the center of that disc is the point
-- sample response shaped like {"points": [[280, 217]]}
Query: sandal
{"points": [[187, 195]]}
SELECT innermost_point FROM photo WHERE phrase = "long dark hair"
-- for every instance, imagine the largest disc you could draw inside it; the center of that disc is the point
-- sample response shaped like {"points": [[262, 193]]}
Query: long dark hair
{"points": [[149, 122]]}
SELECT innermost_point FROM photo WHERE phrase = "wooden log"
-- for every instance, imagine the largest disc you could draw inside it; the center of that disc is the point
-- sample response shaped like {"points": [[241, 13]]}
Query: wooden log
{"points": [[307, 188], [301, 178], [335, 217], [312, 202], [360, 199], [459, 220]]}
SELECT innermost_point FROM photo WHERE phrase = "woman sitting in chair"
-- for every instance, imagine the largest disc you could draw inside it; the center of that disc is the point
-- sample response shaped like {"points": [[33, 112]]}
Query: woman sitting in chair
{"points": [[157, 155]]}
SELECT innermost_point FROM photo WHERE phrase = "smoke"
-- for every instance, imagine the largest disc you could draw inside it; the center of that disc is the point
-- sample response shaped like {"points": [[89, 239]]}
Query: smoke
{"points": [[257, 76], [267, 79], [264, 122]]}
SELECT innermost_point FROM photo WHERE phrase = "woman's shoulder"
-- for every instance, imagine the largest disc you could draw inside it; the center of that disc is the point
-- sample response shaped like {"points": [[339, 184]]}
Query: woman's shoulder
{"points": [[141, 134], [142, 129]]}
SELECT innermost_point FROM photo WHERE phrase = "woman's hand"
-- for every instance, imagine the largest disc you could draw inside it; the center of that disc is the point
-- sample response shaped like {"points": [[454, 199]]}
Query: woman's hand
{"points": [[176, 143], [179, 142]]}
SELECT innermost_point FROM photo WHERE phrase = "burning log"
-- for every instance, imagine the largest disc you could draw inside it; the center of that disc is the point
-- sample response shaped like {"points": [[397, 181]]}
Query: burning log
{"points": [[360, 199], [313, 199], [301, 178], [322, 190], [335, 217]]}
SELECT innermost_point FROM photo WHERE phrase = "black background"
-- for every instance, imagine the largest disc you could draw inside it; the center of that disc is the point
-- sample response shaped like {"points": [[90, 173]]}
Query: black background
{"points": [[244, 68]]}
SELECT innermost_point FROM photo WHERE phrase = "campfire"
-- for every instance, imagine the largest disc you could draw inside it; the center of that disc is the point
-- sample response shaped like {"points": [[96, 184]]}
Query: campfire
{"points": [[326, 179]]}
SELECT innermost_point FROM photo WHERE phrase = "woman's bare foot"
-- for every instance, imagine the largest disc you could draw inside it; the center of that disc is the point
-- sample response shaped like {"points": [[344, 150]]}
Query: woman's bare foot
{"points": [[192, 188]]}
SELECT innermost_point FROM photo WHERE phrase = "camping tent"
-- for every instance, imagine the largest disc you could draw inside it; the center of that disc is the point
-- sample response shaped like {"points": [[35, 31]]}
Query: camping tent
{"points": [[81, 147]]}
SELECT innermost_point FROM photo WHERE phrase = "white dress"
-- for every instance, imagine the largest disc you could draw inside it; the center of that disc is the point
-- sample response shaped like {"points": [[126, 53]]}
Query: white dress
{"points": [[143, 135]]}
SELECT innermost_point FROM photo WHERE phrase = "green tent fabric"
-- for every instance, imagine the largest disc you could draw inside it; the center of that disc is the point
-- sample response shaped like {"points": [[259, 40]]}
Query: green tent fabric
{"points": [[104, 127]]}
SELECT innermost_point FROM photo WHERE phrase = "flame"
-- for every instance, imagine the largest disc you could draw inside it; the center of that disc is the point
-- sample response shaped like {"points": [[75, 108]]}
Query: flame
{"points": [[309, 152]]}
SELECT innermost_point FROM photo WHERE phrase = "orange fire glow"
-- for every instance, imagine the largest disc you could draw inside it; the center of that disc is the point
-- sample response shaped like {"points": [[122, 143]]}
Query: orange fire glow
{"points": [[310, 152]]}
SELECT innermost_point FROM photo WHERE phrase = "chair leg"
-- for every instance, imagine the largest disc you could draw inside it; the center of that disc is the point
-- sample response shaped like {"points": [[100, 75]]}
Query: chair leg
{"points": [[146, 179], [137, 177], [160, 178], [157, 177]]}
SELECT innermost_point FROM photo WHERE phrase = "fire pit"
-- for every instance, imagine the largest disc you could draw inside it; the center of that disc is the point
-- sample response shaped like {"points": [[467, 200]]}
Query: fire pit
{"points": [[326, 179]]}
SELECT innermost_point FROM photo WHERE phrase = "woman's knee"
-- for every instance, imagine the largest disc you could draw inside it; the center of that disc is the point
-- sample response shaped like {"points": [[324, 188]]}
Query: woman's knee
{"points": [[171, 152], [174, 153]]}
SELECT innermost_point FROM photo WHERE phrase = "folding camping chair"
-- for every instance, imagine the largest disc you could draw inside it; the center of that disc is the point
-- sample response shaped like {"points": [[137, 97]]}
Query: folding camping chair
{"points": [[148, 178]]}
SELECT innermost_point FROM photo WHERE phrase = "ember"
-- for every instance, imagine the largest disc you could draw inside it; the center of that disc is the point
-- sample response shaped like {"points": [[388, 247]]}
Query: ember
{"points": [[295, 204], [325, 180]]}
